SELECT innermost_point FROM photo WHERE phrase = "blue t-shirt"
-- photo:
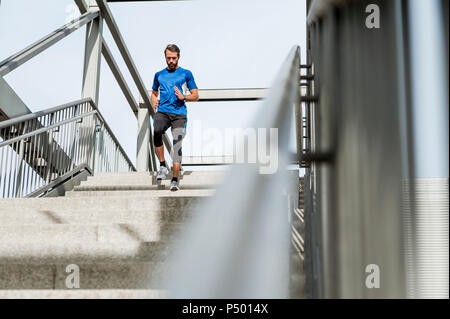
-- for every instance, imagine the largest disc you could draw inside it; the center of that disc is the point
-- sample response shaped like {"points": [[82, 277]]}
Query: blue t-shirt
{"points": [[165, 80]]}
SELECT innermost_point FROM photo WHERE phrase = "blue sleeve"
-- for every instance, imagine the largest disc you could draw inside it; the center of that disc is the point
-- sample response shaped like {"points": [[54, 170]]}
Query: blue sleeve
{"points": [[155, 82], [190, 81]]}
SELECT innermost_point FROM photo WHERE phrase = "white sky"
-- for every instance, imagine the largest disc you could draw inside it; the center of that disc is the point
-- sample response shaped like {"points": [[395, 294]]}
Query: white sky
{"points": [[225, 43]]}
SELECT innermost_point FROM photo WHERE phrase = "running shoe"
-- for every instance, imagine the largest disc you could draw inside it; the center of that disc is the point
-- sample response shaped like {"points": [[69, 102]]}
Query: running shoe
{"points": [[162, 173], [174, 186]]}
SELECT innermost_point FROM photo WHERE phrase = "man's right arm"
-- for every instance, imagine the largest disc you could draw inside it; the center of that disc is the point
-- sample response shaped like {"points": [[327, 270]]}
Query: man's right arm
{"points": [[154, 96], [154, 100]]}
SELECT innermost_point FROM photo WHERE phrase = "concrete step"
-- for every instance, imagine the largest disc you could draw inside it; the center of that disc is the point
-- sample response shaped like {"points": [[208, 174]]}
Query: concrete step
{"points": [[84, 252], [134, 201], [160, 185], [90, 276], [146, 177], [65, 243], [84, 294], [144, 193], [119, 228], [147, 181], [100, 216], [146, 174], [115, 182], [186, 183], [113, 233], [93, 210]]}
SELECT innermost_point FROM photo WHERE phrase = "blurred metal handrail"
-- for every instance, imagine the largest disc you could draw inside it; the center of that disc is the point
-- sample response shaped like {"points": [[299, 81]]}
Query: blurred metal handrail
{"points": [[244, 231], [319, 7], [31, 158]]}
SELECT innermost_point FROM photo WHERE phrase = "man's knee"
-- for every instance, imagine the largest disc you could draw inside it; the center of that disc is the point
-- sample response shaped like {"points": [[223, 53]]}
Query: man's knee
{"points": [[177, 155], [157, 136], [178, 135]]}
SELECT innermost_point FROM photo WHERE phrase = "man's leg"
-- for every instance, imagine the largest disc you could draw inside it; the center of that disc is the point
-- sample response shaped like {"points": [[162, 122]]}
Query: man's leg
{"points": [[160, 152], [176, 169], [178, 133], [160, 125]]}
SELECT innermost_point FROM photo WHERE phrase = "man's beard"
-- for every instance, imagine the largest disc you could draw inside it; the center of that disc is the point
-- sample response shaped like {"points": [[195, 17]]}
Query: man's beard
{"points": [[172, 66]]}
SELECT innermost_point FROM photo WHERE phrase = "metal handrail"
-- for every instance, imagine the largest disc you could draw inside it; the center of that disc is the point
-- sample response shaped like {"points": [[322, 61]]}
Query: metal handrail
{"points": [[42, 113], [244, 230], [35, 115], [319, 8], [45, 129], [31, 157]]}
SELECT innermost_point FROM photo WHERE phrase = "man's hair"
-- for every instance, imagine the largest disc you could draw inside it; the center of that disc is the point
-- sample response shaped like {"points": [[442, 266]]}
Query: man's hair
{"points": [[172, 48]]}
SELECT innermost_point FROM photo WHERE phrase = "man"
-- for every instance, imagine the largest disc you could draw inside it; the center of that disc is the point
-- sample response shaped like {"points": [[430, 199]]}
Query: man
{"points": [[171, 110]]}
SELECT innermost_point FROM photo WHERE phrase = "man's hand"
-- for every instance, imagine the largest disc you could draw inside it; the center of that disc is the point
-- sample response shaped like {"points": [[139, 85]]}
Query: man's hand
{"points": [[178, 93], [154, 99]]}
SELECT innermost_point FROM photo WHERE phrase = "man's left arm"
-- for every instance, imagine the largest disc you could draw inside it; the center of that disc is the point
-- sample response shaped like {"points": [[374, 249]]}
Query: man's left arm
{"points": [[187, 98], [192, 97], [192, 87]]}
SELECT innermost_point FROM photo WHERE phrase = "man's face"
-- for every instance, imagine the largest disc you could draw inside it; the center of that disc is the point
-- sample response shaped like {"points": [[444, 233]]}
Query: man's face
{"points": [[171, 59]]}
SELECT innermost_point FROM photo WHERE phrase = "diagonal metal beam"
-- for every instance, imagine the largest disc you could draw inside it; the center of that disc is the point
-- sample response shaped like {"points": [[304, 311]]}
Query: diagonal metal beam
{"points": [[81, 6], [113, 65], [31, 51], [119, 77], [109, 19], [11, 105]]}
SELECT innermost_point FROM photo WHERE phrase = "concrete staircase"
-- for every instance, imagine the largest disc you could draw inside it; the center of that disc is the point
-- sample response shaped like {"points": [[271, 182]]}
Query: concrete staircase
{"points": [[118, 228]]}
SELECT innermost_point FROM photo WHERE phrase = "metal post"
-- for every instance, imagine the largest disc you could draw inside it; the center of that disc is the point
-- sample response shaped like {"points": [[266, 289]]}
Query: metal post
{"points": [[92, 56], [91, 73], [153, 157], [430, 129], [298, 124], [49, 151], [143, 139], [101, 154], [21, 160], [116, 158]]}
